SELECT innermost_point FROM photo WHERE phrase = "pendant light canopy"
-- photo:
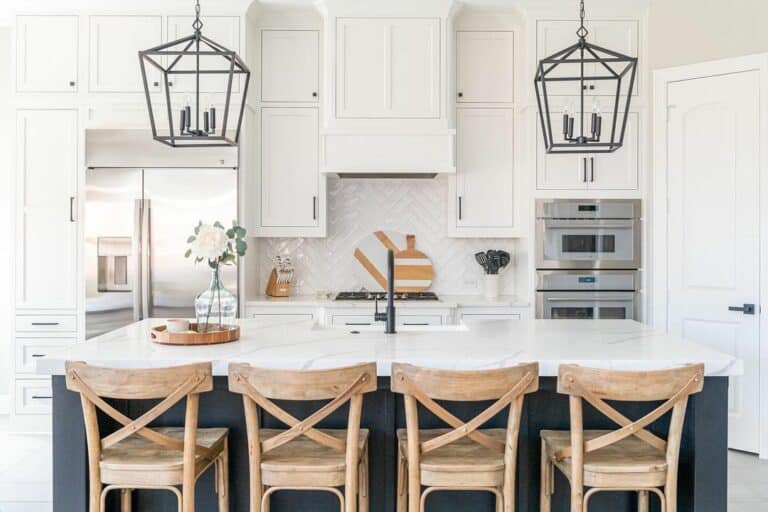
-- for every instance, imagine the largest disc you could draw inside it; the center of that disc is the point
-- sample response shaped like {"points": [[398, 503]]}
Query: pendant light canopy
{"points": [[584, 69], [192, 118]]}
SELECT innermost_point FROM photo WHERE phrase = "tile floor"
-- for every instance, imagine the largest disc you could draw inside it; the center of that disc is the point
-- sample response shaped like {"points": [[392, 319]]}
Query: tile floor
{"points": [[25, 476]]}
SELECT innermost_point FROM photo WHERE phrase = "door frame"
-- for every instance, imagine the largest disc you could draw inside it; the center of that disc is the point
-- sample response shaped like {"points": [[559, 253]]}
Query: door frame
{"points": [[659, 201]]}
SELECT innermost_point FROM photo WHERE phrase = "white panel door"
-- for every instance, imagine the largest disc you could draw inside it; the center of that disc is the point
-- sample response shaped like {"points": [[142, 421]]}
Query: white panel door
{"points": [[289, 167], [485, 167], [46, 179], [224, 30], [40, 65], [388, 68], [617, 35], [290, 62], [485, 63], [558, 172], [115, 42], [617, 170], [713, 230]]}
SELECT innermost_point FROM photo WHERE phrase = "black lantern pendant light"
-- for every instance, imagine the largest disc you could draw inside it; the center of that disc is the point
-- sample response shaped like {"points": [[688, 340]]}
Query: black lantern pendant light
{"points": [[581, 65], [195, 124]]}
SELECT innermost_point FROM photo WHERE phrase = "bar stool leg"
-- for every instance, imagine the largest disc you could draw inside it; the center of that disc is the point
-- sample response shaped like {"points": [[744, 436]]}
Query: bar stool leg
{"points": [[223, 478], [125, 500], [642, 501], [363, 482], [402, 485], [546, 485]]}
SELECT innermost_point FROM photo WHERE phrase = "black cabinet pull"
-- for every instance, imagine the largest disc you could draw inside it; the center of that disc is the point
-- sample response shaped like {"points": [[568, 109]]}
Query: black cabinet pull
{"points": [[461, 95], [592, 169], [747, 309], [71, 209], [314, 94], [314, 207], [584, 161], [72, 83], [156, 84], [38, 355], [42, 397], [415, 323], [459, 207], [45, 323], [357, 323]]}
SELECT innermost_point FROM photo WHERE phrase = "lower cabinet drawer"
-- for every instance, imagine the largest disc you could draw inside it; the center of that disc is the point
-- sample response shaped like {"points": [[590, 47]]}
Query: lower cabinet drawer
{"points": [[28, 350], [401, 320], [46, 323], [33, 396]]}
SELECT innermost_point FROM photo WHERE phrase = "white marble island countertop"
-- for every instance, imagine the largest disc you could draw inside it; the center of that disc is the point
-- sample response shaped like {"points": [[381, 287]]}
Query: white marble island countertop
{"points": [[617, 344]]}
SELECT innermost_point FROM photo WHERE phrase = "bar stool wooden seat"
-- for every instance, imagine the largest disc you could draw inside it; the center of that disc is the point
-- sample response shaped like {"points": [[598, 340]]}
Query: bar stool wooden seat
{"points": [[304, 457], [464, 457], [630, 458], [138, 456]]}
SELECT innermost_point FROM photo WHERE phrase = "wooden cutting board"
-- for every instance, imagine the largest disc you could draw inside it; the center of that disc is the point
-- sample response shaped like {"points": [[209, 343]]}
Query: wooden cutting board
{"points": [[413, 269]]}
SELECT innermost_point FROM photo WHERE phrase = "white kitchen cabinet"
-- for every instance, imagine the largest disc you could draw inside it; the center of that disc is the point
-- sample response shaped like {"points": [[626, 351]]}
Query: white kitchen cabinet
{"points": [[290, 179], [485, 180], [290, 64], [29, 350], [485, 66], [554, 35], [46, 206], [388, 68], [114, 45], [33, 396], [608, 171], [224, 30], [40, 65]]}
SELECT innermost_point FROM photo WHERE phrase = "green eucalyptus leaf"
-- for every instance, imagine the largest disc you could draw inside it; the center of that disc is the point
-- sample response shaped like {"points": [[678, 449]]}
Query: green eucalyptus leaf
{"points": [[239, 231], [218, 224], [191, 239], [188, 253], [213, 264], [197, 228], [241, 247], [230, 233]]}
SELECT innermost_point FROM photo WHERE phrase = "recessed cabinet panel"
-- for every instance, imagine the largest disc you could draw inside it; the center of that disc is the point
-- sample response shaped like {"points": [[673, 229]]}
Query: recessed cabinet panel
{"points": [[289, 167], [46, 176], [551, 37], [388, 68], [115, 42], [619, 36], [290, 65], [485, 168], [224, 30], [485, 67], [40, 65]]}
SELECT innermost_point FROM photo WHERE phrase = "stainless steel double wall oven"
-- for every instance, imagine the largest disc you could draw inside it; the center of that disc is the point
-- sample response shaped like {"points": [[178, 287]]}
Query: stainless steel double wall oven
{"points": [[587, 258]]}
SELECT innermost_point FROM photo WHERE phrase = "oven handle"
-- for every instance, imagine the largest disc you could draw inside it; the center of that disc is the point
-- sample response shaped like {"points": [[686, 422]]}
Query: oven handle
{"points": [[596, 296], [588, 224]]}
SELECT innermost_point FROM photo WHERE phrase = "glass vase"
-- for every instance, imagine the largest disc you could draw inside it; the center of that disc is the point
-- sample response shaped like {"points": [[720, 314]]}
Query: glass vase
{"points": [[216, 307]]}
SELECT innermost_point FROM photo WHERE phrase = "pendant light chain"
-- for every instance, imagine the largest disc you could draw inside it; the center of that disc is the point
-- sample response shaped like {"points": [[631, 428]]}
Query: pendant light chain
{"points": [[197, 24], [582, 32]]}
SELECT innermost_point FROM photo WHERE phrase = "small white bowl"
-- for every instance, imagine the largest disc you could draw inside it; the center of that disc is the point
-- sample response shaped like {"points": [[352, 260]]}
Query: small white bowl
{"points": [[177, 325]]}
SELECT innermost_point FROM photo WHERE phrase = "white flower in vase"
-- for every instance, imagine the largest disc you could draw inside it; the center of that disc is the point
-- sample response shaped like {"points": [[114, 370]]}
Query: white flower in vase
{"points": [[210, 242]]}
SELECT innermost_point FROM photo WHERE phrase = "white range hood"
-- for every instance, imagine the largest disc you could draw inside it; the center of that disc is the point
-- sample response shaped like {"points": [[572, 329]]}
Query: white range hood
{"points": [[386, 73]]}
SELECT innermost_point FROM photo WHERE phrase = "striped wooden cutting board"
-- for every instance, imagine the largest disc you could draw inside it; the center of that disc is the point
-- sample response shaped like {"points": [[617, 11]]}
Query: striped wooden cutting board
{"points": [[413, 269]]}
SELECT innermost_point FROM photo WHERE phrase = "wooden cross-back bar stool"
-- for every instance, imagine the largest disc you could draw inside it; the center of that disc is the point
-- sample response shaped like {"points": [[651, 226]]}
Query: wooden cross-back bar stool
{"points": [[630, 458], [304, 457], [138, 456], [464, 457]]}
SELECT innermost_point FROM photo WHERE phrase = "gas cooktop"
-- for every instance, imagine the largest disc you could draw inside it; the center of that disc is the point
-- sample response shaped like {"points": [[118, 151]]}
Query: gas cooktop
{"points": [[366, 295]]}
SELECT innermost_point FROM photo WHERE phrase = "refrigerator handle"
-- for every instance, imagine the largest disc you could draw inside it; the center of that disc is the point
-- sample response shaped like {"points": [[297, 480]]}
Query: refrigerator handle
{"points": [[146, 267], [137, 251]]}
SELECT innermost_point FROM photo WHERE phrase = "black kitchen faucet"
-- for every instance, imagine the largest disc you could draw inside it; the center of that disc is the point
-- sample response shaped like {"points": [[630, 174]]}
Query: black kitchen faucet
{"points": [[389, 315]]}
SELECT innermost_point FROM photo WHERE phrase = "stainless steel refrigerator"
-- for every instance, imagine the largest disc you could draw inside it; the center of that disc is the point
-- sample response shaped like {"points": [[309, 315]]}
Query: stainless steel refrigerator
{"points": [[137, 222]]}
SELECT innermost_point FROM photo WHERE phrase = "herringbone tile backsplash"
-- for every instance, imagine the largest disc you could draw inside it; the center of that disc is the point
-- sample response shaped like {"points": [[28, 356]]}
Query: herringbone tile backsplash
{"points": [[356, 208]]}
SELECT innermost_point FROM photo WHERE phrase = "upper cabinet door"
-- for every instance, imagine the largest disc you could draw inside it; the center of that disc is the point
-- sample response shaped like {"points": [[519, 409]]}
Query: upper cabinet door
{"points": [[485, 67], [552, 37], [290, 65], [559, 172], [485, 167], [289, 167], [388, 68], [619, 36], [115, 42], [224, 30], [46, 178], [617, 170], [40, 65]]}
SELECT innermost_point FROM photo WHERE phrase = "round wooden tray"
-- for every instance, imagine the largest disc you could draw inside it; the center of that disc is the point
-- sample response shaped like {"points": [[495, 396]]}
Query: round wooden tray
{"points": [[161, 335]]}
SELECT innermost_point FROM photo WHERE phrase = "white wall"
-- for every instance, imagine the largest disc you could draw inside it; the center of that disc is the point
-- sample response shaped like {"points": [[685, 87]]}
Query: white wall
{"points": [[689, 31], [7, 120]]}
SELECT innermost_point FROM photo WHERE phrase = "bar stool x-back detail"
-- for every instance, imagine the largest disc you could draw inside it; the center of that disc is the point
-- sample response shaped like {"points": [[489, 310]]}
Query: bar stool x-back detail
{"points": [[137, 456], [630, 458], [305, 457], [464, 458]]}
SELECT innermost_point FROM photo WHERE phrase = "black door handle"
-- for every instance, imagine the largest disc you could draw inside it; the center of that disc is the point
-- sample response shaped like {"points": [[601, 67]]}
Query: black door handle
{"points": [[747, 309]]}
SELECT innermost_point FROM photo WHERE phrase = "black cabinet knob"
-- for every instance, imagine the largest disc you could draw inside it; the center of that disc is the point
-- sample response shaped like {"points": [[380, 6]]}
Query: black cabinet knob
{"points": [[314, 94], [170, 84], [461, 95], [156, 84], [72, 83]]}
